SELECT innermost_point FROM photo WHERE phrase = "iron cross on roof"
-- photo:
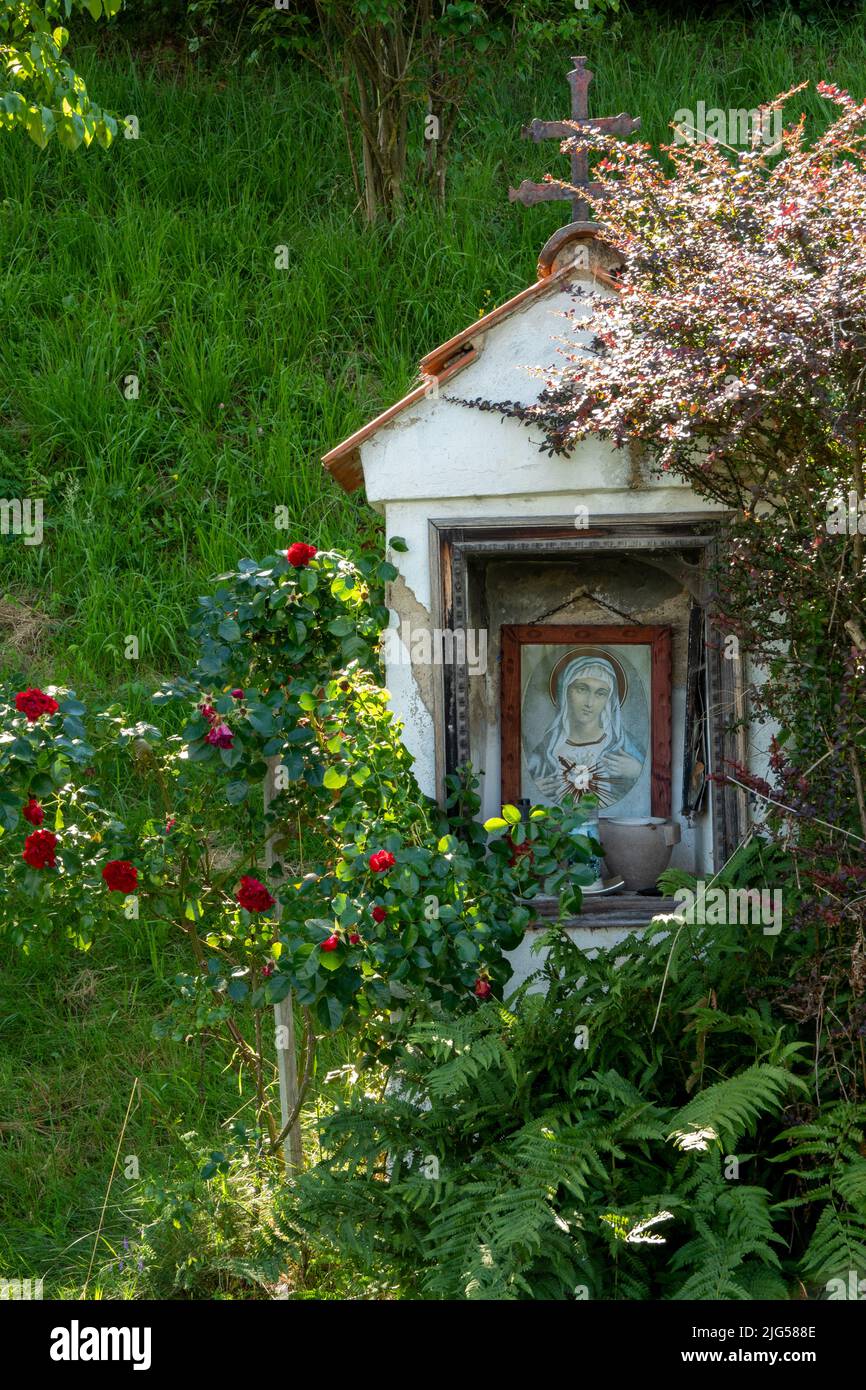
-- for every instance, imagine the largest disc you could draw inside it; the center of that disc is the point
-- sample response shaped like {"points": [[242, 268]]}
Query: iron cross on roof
{"points": [[528, 192]]}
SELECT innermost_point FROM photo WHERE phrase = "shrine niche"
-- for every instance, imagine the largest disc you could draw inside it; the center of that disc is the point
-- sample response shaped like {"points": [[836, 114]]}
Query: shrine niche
{"points": [[590, 556]]}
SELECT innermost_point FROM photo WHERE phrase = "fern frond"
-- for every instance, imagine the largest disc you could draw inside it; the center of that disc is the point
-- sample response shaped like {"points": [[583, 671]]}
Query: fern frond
{"points": [[838, 1245], [731, 1108]]}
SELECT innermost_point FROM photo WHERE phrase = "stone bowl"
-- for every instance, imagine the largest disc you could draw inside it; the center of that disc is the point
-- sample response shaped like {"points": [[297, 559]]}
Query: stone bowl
{"points": [[638, 849]]}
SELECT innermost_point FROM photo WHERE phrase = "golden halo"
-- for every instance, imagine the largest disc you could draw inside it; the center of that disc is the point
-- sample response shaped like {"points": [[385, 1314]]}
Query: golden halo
{"points": [[621, 677]]}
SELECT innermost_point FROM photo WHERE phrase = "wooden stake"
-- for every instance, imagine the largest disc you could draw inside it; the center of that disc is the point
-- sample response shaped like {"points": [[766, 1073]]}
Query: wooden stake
{"points": [[284, 1025]]}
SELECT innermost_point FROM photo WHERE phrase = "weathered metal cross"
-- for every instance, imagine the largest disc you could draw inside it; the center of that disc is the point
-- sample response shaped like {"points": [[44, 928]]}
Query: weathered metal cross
{"points": [[528, 192]]}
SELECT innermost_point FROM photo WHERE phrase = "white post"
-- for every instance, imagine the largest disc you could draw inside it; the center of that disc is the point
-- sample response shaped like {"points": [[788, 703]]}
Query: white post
{"points": [[284, 1026]]}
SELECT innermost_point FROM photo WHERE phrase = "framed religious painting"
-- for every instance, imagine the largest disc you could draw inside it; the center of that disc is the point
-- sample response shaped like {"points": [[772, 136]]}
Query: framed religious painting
{"points": [[587, 709]]}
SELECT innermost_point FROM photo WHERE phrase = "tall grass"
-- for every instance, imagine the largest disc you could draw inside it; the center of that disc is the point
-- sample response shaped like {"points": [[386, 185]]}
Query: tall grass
{"points": [[82, 1082], [157, 259]]}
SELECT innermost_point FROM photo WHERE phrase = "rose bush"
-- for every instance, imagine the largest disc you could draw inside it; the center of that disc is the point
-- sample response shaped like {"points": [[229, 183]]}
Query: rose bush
{"points": [[56, 833], [371, 899], [400, 901]]}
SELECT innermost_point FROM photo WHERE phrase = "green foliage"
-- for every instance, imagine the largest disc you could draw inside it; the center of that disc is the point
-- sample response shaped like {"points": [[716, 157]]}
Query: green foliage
{"points": [[77, 1031], [298, 646], [732, 1108], [202, 1230], [401, 907], [731, 1254], [771, 424], [140, 264], [39, 91], [517, 1156], [51, 760], [833, 1173], [147, 499]]}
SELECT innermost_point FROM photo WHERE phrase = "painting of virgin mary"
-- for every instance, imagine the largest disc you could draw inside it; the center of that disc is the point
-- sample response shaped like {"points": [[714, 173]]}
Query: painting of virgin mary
{"points": [[586, 747]]}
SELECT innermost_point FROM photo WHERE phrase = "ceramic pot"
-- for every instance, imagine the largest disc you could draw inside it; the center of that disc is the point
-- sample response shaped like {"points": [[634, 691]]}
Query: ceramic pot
{"points": [[638, 849]]}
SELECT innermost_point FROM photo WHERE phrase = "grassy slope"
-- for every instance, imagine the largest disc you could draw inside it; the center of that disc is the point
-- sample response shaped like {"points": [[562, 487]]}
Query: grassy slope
{"points": [[158, 258]]}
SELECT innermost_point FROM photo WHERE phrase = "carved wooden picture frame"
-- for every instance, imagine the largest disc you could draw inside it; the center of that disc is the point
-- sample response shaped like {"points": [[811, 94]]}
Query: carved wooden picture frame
{"points": [[611, 684]]}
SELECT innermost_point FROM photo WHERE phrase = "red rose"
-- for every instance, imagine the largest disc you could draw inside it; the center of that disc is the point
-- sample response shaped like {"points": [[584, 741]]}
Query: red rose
{"points": [[170, 823], [331, 943], [482, 989], [382, 861], [268, 969], [519, 851], [253, 895], [221, 736], [237, 694], [378, 914], [354, 938], [120, 876], [208, 712], [33, 811], [34, 702], [300, 554], [39, 849]]}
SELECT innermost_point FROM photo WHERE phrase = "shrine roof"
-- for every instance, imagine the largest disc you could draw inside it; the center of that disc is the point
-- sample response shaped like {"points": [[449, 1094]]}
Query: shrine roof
{"points": [[344, 461]]}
